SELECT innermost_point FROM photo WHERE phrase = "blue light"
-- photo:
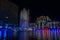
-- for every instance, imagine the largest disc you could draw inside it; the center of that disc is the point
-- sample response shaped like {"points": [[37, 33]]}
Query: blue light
{"points": [[41, 32], [21, 37], [53, 33], [4, 35], [0, 34], [6, 26], [21, 29], [9, 33], [56, 33], [5, 30]]}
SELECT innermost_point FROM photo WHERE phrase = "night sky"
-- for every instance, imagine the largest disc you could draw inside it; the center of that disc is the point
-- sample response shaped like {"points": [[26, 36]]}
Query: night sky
{"points": [[38, 8]]}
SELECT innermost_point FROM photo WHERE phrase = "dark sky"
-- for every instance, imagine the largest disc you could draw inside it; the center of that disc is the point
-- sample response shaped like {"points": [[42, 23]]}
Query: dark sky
{"points": [[38, 8]]}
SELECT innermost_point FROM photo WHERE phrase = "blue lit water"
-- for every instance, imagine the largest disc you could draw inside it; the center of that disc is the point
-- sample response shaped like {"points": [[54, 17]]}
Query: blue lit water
{"points": [[8, 32], [0, 34], [21, 35]]}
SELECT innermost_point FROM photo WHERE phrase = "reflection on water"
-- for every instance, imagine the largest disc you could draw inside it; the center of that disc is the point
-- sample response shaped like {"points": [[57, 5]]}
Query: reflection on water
{"points": [[53, 34]]}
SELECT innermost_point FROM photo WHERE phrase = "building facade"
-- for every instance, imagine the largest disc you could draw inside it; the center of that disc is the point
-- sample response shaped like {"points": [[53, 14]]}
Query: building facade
{"points": [[10, 11]]}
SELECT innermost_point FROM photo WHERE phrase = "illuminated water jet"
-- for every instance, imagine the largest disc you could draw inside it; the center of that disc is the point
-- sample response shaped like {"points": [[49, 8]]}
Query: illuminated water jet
{"points": [[24, 23]]}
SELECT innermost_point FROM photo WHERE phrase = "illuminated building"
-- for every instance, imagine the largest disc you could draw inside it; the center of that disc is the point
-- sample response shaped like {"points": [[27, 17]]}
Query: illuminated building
{"points": [[42, 21], [45, 21]]}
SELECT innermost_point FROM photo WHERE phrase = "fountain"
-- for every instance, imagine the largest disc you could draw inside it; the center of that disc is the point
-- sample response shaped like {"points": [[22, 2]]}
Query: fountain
{"points": [[24, 24]]}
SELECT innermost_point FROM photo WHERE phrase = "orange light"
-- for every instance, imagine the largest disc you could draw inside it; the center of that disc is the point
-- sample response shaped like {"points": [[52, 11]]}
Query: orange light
{"points": [[45, 32]]}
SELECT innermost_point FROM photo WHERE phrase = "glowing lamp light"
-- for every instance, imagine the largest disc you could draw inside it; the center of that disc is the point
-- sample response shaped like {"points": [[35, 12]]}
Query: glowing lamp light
{"points": [[45, 32], [0, 35], [6, 17]]}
